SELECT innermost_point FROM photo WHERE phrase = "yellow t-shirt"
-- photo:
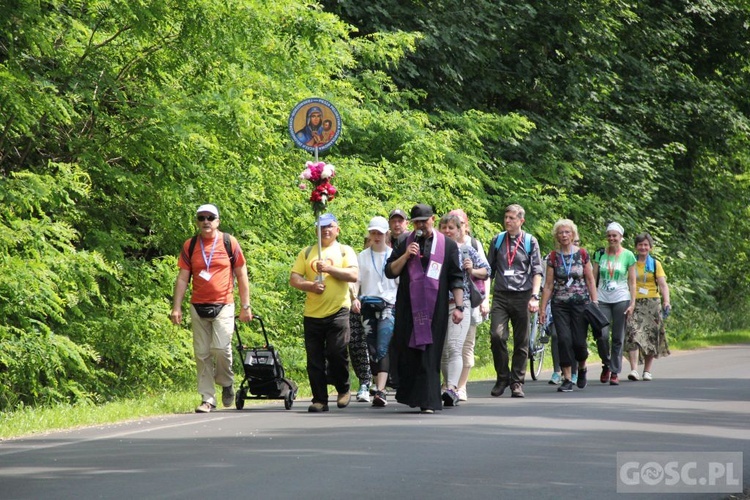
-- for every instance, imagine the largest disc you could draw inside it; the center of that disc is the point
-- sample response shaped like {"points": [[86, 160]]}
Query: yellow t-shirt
{"points": [[645, 283], [336, 294]]}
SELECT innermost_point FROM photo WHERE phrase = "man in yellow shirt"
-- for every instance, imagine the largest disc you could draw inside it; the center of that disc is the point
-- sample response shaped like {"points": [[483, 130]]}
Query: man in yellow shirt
{"points": [[325, 278]]}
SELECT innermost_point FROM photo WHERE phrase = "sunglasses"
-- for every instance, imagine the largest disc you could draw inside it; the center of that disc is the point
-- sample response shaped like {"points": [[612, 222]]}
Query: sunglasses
{"points": [[210, 218]]}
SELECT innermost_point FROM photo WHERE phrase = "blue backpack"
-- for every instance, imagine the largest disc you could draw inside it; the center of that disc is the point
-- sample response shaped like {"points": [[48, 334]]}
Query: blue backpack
{"points": [[526, 241]]}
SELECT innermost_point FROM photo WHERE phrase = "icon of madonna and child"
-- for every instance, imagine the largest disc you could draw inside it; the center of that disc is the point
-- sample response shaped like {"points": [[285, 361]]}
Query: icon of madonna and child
{"points": [[320, 127]]}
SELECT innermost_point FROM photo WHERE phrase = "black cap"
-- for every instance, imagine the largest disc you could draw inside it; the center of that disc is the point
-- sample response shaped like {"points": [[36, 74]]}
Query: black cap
{"points": [[397, 212], [421, 212]]}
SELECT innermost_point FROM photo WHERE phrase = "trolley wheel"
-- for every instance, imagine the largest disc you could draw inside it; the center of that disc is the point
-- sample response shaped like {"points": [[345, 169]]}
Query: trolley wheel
{"points": [[239, 399], [288, 400]]}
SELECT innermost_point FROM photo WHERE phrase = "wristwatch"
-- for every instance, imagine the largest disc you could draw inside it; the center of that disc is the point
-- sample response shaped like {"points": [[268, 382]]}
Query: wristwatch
{"points": [[246, 308], [535, 296], [460, 308]]}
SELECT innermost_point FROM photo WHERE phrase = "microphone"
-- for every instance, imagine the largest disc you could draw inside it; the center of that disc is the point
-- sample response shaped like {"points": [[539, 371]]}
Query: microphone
{"points": [[419, 236]]}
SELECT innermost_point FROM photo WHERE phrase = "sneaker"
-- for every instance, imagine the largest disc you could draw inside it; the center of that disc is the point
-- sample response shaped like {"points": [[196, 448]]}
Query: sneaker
{"points": [[555, 379], [317, 408], [516, 390], [647, 376], [614, 379], [499, 388], [379, 399], [581, 382], [363, 396], [227, 396], [567, 386], [462, 395], [574, 377], [426, 411], [205, 407], [633, 375], [450, 398], [343, 399], [605, 375]]}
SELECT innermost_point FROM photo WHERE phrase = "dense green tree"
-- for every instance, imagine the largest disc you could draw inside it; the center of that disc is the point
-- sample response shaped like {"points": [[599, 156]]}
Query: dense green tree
{"points": [[118, 118]]}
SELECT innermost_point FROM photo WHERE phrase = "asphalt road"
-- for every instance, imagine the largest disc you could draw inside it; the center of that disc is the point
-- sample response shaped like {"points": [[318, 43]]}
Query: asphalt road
{"points": [[548, 445]]}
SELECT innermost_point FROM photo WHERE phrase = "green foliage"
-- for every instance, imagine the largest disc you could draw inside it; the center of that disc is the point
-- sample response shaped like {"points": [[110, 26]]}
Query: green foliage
{"points": [[118, 118]]}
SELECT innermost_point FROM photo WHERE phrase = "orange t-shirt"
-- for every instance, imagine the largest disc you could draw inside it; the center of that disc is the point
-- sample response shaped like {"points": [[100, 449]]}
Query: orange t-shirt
{"points": [[219, 287]]}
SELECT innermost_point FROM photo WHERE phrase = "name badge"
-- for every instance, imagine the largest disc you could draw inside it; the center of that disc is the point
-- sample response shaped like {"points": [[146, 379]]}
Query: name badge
{"points": [[205, 275], [509, 272], [570, 282], [643, 291], [434, 270], [380, 287]]}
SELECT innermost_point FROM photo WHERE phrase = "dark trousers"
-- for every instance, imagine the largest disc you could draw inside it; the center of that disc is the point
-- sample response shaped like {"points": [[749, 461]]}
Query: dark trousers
{"points": [[615, 313], [572, 327], [513, 308], [326, 341]]}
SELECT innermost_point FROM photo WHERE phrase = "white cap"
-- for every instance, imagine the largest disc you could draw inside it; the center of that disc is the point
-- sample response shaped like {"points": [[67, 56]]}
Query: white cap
{"points": [[378, 224], [208, 208], [614, 226]]}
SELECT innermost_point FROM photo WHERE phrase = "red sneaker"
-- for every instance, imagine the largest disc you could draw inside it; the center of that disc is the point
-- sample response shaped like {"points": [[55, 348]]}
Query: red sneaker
{"points": [[605, 375], [613, 380]]}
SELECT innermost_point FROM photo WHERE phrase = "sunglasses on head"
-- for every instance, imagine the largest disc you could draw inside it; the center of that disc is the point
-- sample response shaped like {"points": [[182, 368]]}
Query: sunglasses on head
{"points": [[211, 218]]}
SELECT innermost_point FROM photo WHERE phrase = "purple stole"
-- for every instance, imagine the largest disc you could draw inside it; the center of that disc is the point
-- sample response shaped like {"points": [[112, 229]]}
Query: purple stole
{"points": [[423, 290]]}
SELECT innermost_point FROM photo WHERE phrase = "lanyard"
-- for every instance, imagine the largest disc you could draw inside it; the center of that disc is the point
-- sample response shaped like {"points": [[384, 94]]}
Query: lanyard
{"points": [[612, 264], [644, 271], [372, 258], [211, 256], [569, 266], [512, 256]]}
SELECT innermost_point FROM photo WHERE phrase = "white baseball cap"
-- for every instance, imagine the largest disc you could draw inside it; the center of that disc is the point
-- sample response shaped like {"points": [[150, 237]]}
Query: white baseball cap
{"points": [[208, 208], [378, 224]]}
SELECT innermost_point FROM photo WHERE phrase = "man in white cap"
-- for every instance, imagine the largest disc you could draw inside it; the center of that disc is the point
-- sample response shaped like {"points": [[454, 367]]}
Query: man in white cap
{"points": [[376, 297], [213, 260], [326, 316]]}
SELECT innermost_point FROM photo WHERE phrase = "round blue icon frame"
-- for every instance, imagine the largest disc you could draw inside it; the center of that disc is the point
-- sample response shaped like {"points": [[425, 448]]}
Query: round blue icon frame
{"points": [[314, 139]]}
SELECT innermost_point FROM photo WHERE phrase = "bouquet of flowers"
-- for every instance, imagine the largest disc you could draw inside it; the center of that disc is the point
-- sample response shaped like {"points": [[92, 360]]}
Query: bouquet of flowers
{"points": [[320, 175]]}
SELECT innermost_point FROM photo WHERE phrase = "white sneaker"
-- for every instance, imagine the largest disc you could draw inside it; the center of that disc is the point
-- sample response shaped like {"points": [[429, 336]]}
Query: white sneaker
{"points": [[633, 375], [462, 395], [647, 376], [363, 395]]}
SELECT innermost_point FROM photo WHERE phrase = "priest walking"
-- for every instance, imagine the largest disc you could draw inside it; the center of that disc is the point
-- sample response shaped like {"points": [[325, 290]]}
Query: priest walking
{"points": [[427, 265]]}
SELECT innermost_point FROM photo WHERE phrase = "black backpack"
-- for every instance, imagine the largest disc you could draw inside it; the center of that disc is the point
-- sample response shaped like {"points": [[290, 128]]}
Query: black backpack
{"points": [[227, 246]]}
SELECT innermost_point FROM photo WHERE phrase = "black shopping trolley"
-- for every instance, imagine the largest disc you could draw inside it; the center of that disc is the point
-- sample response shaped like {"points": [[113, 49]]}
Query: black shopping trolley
{"points": [[264, 373]]}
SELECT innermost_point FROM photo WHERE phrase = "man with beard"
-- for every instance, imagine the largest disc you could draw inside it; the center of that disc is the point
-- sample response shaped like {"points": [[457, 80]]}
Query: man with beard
{"points": [[427, 265]]}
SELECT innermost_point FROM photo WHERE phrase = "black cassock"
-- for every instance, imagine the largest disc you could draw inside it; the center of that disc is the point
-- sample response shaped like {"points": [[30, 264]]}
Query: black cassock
{"points": [[419, 371]]}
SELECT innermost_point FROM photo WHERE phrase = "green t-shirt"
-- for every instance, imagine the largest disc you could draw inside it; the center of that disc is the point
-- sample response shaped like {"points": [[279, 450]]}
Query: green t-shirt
{"points": [[613, 276]]}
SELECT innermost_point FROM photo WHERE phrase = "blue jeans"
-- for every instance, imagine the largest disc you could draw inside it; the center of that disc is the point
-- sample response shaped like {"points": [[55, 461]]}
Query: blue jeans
{"points": [[379, 330]]}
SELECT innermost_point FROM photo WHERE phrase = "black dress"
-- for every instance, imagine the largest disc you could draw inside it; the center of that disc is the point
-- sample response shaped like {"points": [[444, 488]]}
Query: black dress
{"points": [[419, 371]]}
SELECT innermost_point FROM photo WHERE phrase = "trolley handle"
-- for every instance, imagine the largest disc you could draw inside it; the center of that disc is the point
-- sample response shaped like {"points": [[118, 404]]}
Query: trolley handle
{"points": [[240, 346]]}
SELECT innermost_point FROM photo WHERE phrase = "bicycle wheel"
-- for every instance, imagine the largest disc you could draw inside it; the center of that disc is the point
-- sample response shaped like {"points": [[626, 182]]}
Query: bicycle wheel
{"points": [[538, 359], [536, 348]]}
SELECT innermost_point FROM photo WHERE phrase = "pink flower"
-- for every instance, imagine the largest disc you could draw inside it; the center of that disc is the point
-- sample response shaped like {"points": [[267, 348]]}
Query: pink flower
{"points": [[319, 174]]}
